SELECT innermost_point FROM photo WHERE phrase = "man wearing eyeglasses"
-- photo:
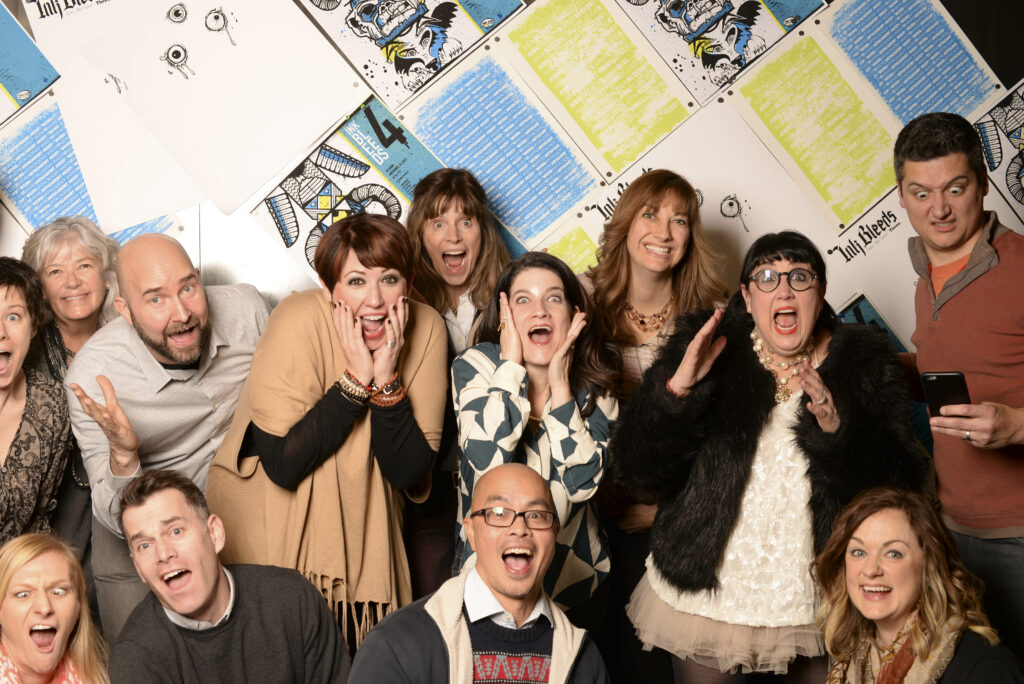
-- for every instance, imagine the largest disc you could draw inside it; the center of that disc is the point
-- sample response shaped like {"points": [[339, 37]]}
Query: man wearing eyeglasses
{"points": [[493, 621], [969, 303]]}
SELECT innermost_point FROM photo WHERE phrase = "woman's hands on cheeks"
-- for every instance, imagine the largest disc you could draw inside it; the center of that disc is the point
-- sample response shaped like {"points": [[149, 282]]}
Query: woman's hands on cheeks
{"points": [[511, 344], [350, 332], [561, 360], [699, 357], [385, 358], [821, 403], [376, 367]]}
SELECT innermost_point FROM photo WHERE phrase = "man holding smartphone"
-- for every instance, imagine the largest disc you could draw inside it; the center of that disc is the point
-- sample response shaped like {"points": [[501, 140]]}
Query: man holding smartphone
{"points": [[970, 318]]}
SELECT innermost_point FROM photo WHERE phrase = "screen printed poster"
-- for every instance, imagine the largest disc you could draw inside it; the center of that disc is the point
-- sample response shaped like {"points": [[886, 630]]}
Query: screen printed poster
{"points": [[24, 70], [233, 92], [1002, 136], [484, 121], [370, 164], [912, 54], [707, 43], [801, 105], [582, 65], [399, 45], [39, 174]]}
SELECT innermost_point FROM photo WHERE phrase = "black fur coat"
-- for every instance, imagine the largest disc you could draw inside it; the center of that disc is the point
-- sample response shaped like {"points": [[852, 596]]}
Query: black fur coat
{"points": [[695, 455]]}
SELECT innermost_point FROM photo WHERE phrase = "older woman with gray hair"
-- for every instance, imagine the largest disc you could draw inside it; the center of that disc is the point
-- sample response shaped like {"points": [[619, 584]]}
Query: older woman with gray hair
{"points": [[75, 262]]}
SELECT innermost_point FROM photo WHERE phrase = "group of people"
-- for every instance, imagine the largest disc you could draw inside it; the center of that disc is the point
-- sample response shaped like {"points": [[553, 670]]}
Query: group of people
{"points": [[462, 467]]}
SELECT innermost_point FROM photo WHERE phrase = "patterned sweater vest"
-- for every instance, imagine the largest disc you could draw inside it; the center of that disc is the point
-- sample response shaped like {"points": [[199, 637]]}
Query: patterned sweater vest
{"points": [[503, 655]]}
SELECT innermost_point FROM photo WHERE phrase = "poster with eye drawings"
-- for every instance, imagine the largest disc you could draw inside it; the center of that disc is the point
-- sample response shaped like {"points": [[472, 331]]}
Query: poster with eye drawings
{"points": [[707, 43], [399, 45], [235, 92]]}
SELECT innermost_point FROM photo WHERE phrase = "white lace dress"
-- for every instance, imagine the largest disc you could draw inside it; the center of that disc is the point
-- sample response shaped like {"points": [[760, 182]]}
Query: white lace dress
{"points": [[763, 614]]}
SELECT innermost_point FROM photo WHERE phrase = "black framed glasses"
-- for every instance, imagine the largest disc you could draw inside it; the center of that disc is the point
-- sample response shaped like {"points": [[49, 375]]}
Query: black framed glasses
{"points": [[768, 279], [500, 516]]}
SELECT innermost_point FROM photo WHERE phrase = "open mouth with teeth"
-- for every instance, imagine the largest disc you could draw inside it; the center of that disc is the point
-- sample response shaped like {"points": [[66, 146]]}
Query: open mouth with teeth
{"points": [[454, 261], [785, 321], [517, 559], [176, 578], [5, 360], [540, 334], [373, 326], [43, 636]]}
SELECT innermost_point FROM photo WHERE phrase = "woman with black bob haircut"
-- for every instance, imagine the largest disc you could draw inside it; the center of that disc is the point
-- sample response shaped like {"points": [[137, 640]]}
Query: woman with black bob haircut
{"points": [[537, 389], [755, 426]]}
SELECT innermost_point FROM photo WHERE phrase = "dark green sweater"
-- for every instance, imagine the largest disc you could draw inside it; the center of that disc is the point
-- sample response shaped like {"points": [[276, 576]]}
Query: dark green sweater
{"points": [[280, 630]]}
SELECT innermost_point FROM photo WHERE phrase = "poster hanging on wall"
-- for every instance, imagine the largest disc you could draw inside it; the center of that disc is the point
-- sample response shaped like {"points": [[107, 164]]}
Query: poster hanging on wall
{"points": [[131, 176], [370, 164], [837, 145], [233, 91], [618, 99], [482, 118], [24, 70], [1002, 135], [912, 55], [400, 45], [707, 43], [39, 174]]}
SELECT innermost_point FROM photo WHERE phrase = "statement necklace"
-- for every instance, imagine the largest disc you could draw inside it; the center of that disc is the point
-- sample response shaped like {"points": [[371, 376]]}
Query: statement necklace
{"points": [[648, 322], [782, 391]]}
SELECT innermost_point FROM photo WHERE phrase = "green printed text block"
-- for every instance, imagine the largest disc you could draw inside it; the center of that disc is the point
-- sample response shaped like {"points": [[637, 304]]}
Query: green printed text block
{"points": [[576, 249], [825, 127], [611, 91]]}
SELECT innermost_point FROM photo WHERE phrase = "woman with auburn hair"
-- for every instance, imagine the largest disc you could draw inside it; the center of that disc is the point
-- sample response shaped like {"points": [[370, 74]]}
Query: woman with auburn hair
{"points": [[536, 389], [46, 633], [898, 603], [340, 416], [459, 256], [654, 258]]}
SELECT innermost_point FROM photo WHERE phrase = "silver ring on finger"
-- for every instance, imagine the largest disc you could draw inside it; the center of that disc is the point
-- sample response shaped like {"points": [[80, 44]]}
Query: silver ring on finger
{"points": [[967, 436], [823, 399], [390, 344]]}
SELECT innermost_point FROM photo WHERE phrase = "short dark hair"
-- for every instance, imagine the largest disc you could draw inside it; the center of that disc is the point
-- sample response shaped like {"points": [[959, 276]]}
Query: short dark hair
{"points": [[379, 241], [138, 491], [792, 246], [939, 134], [19, 275]]}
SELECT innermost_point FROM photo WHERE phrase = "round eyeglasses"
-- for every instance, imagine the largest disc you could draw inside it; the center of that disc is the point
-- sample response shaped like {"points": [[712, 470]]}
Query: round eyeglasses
{"points": [[499, 516], [768, 279]]}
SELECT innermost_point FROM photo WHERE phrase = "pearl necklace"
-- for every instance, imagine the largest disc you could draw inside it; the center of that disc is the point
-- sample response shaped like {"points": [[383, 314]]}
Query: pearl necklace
{"points": [[782, 391]]}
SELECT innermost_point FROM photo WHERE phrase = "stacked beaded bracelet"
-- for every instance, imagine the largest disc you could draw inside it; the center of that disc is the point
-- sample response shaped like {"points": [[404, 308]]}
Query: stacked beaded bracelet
{"points": [[389, 394], [354, 391]]}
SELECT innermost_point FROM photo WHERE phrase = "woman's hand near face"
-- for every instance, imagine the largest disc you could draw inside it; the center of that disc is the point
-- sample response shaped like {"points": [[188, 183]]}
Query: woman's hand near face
{"points": [[385, 358], [821, 403], [699, 356], [561, 360], [511, 344], [350, 332]]}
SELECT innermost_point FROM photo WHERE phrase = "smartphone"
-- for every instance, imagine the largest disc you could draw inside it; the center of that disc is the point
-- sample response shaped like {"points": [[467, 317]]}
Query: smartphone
{"points": [[942, 389]]}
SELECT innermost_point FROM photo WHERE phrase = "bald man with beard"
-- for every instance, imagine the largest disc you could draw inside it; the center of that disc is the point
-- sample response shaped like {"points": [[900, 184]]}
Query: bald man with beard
{"points": [[493, 621], [156, 388]]}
